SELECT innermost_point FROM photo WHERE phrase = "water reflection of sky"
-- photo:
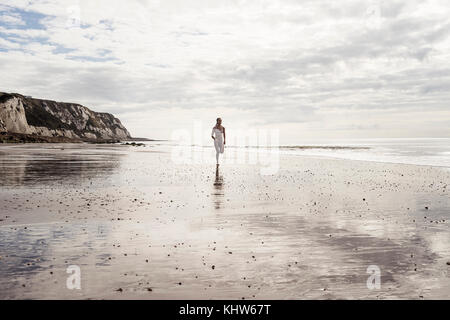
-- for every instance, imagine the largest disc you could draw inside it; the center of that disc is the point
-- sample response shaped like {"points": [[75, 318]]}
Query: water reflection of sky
{"points": [[32, 254], [281, 252], [295, 257], [43, 166]]}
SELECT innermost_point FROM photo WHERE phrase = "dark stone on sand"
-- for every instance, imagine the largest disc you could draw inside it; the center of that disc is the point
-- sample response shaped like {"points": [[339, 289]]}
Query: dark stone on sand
{"points": [[134, 144]]}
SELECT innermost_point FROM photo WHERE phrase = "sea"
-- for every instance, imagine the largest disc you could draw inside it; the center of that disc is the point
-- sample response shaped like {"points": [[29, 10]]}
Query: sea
{"points": [[422, 151], [416, 151]]}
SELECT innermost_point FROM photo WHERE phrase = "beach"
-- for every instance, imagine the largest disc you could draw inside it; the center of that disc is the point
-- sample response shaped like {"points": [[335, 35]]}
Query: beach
{"points": [[140, 226]]}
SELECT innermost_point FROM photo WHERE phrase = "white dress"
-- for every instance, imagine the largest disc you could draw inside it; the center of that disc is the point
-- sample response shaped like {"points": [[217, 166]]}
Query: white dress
{"points": [[218, 142]]}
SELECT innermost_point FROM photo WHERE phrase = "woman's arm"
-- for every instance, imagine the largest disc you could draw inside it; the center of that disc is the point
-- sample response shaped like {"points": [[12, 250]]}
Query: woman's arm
{"points": [[224, 137], [212, 134]]}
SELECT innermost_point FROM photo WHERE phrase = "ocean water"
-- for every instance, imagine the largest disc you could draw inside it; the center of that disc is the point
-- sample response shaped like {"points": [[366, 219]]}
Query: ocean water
{"points": [[418, 151], [425, 151]]}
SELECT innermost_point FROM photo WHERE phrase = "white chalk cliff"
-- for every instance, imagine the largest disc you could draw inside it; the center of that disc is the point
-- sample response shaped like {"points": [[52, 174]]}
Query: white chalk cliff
{"points": [[20, 114]]}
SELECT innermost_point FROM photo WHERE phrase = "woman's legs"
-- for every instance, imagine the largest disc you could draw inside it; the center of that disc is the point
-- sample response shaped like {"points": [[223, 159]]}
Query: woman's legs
{"points": [[219, 149]]}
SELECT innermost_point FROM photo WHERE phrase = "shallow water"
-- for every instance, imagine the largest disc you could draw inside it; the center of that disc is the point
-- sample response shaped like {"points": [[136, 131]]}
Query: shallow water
{"points": [[140, 226], [426, 151]]}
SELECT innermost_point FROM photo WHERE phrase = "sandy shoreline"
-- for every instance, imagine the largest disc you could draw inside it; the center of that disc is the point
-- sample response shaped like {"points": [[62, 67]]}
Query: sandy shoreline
{"points": [[140, 226]]}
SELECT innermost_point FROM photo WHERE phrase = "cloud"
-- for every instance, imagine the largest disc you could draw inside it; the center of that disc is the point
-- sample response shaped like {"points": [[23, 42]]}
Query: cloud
{"points": [[11, 18], [286, 64]]}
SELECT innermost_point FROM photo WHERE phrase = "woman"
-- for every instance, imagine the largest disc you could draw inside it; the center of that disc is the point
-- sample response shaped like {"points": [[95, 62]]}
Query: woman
{"points": [[218, 135]]}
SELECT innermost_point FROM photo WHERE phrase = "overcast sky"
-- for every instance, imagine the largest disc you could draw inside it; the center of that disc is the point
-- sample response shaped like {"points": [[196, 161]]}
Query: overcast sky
{"points": [[312, 69]]}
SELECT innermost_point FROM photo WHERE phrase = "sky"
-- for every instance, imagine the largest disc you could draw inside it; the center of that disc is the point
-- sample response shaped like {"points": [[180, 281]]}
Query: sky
{"points": [[309, 69]]}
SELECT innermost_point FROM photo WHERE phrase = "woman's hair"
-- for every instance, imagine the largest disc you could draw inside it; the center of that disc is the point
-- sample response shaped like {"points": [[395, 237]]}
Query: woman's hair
{"points": [[217, 120]]}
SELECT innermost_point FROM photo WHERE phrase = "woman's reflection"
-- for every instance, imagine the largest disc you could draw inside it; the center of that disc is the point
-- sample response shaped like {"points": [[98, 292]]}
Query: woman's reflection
{"points": [[218, 190]]}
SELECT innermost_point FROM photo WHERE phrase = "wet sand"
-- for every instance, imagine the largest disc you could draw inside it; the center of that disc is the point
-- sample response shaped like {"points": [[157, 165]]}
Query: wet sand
{"points": [[141, 227]]}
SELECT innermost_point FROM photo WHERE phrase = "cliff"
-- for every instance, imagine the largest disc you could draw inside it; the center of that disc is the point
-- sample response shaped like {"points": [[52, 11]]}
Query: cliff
{"points": [[46, 118]]}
